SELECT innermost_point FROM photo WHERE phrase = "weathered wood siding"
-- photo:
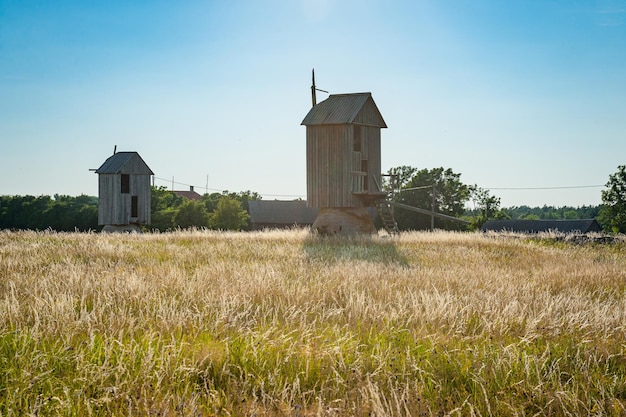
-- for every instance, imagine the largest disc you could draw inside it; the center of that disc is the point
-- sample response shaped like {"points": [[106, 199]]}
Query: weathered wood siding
{"points": [[343, 152], [334, 169], [371, 142], [114, 207], [329, 156], [369, 115]]}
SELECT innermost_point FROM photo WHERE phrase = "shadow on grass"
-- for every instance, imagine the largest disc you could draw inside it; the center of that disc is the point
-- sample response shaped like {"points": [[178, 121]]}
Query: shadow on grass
{"points": [[361, 248]]}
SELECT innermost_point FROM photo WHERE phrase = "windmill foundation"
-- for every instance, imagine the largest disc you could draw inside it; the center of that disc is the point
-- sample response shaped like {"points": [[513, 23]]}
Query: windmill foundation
{"points": [[344, 221]]}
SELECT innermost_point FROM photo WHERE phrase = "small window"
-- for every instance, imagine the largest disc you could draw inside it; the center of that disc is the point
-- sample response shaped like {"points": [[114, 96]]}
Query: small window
{"points": [[356, 138], [125, 184], [134, 206]]}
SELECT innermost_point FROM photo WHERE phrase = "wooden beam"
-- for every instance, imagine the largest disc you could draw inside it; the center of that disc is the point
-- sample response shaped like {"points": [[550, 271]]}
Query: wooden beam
{"points": [[428, 212]]}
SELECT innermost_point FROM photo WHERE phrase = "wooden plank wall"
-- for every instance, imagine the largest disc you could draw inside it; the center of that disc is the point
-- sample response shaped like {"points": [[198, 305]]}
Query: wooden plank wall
{"points": [[108, 198], [369, 115], [114, 207], [374, 155], [332, 163], [329, 178], [140, 186]]}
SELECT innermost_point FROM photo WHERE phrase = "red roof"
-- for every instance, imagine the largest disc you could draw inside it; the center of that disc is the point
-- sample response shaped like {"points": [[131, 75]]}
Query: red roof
{"points": [[189, 195]]}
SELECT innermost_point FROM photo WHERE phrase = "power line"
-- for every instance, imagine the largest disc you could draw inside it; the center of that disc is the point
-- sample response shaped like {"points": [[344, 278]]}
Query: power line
{"points": [[403, 189], [544, 188], [516, 188], [219, 191], [187, 185]]}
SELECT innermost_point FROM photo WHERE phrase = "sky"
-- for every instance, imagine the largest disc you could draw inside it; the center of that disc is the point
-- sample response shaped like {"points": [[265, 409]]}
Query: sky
{"points": [[526, 98]]}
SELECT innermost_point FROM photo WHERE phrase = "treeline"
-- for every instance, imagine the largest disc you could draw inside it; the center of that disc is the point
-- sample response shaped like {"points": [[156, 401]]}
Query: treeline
{"points": [[224, 211], [61, 213], [229, 211], [544, 213]]}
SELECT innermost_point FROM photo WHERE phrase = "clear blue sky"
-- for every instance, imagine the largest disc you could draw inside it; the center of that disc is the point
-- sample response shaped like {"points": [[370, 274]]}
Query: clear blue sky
{"points": [[510, 94]]}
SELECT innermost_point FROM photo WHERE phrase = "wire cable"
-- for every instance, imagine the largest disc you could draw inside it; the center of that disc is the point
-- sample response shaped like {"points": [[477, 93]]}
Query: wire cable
{"points": [[401, 190], [219, 191], [544, 188]]}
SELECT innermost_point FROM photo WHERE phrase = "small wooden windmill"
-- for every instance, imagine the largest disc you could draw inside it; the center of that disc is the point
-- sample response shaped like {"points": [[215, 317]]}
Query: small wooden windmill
{"points": [[343, 162], [124, 193]]}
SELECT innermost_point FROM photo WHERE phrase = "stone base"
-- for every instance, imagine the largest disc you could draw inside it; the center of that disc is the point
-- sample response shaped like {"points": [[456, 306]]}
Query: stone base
{"points": [[121, 228], [344, 221]]}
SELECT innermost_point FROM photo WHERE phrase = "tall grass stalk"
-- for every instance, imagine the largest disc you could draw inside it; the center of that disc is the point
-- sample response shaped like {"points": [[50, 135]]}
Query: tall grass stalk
{"points": [[202, 323]]}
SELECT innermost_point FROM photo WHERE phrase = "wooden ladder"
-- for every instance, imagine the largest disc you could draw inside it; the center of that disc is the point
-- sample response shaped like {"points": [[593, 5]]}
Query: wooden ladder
{"points": [[385, 212]]}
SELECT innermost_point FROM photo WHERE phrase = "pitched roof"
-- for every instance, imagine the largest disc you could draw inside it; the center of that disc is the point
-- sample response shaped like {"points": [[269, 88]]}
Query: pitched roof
{"points": [[356, 108], [281, 212], [189, 195], [535, 226], [124, 163]]}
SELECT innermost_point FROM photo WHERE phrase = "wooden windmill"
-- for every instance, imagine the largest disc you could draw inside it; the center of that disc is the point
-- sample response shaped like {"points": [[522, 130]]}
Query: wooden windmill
{"points": [[343, 162], [124, 194]]}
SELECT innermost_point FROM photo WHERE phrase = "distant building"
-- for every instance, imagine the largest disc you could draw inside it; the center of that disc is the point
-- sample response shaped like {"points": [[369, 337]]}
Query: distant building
{"points": [[275, 214], [189, 195], [537, 226], [124, 193]]}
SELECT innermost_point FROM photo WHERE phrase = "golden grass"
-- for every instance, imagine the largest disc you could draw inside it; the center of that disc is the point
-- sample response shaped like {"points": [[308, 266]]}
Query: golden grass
{"points": [[202, 323]]}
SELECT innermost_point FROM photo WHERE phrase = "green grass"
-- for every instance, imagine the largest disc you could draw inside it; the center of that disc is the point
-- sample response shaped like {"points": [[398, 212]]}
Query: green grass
{"points": [[282, 323]]}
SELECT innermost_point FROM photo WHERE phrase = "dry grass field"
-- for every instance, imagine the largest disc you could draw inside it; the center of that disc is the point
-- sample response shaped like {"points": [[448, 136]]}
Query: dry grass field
{"points": [[280, 323]]}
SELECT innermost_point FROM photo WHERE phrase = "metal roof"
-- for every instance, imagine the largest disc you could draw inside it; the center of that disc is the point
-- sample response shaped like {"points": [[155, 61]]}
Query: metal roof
{"points": [[535, 226], [116, 163], [282, 212], [344, 109]]}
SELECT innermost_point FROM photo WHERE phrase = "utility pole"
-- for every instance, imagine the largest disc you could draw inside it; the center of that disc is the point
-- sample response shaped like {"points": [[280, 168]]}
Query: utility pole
{"points": [[432, 216]]}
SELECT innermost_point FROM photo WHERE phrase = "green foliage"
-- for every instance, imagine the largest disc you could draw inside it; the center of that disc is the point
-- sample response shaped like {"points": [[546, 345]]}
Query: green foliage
{"points": [[488, 207], [210, 201], [450, 196], [229, 215], [613, 214], [163, 220], [61, 213], [544, 213], [170, 211], [64, 213], [191, 214], [162, 199], [570, 215]]}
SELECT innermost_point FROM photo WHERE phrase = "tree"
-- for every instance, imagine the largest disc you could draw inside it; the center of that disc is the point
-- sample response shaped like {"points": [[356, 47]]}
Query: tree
{"points": [[191, 214], [570, 214], [63, 213], [162, 199], [163, 220], [210, 201], [164, 206], [229, 215], [613, 214], [416, 189], [488, 207]]}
